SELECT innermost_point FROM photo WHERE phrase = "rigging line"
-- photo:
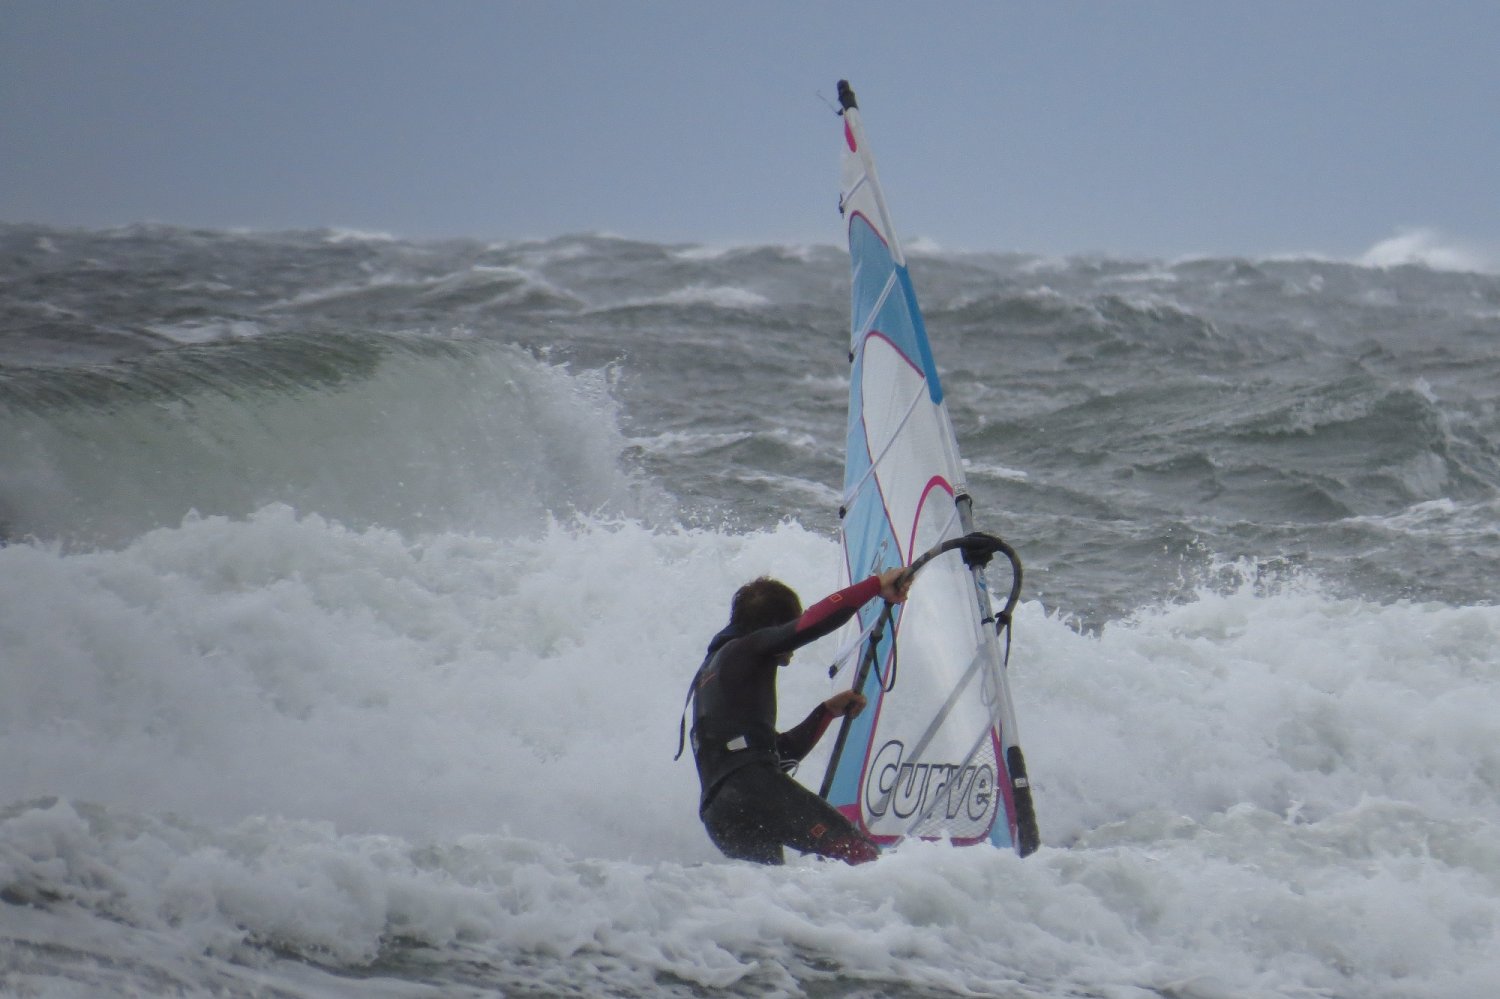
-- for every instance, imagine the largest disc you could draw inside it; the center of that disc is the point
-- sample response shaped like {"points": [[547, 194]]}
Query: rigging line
{"points": [[887, 617], [888, 682], [847, 650], [911, 408]]}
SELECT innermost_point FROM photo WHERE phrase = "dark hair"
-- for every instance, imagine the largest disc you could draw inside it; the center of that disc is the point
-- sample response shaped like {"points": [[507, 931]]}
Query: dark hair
{"points": [[762, 603]]}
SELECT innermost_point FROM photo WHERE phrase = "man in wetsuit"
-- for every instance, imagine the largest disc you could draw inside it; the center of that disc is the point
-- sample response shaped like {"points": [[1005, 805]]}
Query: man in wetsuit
{"points": [[749, 805]]}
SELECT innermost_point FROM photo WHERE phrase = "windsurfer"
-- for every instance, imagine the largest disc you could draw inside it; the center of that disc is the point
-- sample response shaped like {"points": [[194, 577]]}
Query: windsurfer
{"points": [[750, 806]]}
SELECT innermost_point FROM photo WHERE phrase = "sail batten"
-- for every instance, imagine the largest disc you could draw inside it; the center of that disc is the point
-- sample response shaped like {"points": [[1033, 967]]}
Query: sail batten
{"points": [[890, 286], [932, 754], [911, 408]]}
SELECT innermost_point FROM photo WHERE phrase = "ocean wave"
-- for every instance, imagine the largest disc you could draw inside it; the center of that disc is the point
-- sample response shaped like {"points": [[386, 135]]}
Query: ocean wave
{"points": [[337, 236], [1098, 376], [1426, 247], [409, 432]]}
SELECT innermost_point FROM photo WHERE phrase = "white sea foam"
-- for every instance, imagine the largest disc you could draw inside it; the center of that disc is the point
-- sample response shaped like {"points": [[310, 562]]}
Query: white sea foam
{"points": [[810, 492], [682, 442], [207, 332], [1444, 520], [703, 253], [286, 665], [994, 471], [1431, 248], [706, 253], [347, 289], [498, 286], [714, 296], [509, 285], [465, 743], [337, 236], [718, 296]]}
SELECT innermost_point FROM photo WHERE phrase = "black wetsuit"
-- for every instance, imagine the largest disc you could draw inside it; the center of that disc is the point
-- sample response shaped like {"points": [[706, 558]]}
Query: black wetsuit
{"points": [[749, 806]]}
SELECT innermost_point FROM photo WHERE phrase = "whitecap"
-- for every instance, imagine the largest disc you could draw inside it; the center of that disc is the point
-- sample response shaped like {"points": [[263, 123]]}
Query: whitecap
{"points": [[1427, 247]]}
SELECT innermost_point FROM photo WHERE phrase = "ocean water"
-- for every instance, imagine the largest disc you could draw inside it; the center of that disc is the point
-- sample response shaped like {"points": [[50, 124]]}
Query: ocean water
{"points": [[350, 585]]}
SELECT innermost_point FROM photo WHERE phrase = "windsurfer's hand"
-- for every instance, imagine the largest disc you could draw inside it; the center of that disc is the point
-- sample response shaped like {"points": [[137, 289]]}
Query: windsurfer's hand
{"points": [[845, 702], [892, 586]]}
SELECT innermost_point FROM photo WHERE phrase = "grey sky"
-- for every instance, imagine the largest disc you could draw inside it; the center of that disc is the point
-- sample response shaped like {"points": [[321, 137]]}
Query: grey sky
{"points": [[1158, 128]]}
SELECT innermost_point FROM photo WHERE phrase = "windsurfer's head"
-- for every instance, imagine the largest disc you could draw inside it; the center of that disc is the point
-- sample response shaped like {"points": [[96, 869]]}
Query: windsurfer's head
{"points": [[763, 603]]}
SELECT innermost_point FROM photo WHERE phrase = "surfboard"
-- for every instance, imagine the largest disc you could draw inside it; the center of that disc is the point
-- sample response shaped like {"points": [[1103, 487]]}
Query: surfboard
{"points": [[935, 753]]}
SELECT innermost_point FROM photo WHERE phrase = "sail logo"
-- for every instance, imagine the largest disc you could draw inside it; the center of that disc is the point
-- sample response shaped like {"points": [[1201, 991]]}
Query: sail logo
{"points": [[907, 788]]}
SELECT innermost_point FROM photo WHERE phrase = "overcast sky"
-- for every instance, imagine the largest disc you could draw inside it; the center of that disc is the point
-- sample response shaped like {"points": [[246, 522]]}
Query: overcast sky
{"points": [[1146, 128]]}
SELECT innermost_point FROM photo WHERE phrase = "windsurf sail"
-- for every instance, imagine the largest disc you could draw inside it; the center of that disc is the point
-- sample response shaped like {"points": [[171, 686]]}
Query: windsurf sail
{"points": [[935, 753]]}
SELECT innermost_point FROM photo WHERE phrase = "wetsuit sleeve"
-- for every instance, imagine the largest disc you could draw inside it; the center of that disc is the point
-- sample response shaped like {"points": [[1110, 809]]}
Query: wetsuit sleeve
{"points": [[822, 618], [840, 605], [795, 743]]}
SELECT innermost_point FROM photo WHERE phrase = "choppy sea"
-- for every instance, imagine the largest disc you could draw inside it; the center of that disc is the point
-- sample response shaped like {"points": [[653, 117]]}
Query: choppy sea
{"points": [[349, 587]]}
